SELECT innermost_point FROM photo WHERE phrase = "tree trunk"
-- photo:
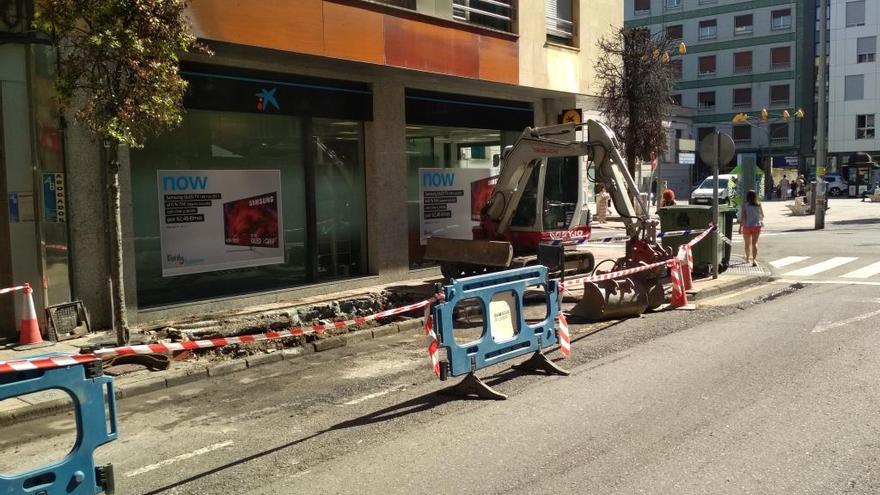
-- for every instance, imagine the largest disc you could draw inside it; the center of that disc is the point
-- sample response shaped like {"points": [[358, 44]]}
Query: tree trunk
{"points": [[117, 281]]}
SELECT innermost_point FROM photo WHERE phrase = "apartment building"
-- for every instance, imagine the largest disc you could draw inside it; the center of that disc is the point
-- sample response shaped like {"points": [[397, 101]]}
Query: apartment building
{"points": [[854, 88], [742, 56], [315, 117]]}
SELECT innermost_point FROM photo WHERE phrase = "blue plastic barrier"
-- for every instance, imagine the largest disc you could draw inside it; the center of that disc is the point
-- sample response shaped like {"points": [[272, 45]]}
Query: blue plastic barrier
{"points": [[488, 350], [76, 473]]}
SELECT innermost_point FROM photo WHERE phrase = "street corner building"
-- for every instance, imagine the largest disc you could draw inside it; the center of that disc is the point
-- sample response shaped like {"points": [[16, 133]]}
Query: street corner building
{"points": [[309, 142]]}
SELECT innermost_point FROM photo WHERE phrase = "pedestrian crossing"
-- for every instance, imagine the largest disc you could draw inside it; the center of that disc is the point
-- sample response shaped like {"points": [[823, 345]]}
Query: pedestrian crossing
{"points": [[835, 269]]}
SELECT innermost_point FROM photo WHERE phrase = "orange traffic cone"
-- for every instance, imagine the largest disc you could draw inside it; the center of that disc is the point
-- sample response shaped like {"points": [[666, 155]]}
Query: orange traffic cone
{"points": [[687, 268], [29, 331], [678, 299]]}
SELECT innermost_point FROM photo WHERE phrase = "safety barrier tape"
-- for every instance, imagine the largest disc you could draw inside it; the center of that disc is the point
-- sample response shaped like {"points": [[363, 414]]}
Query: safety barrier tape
{"points": [[588, 240], [702, 236], [574, 282], [675, 233], [434, 344], [42, 363], [11, 289]]}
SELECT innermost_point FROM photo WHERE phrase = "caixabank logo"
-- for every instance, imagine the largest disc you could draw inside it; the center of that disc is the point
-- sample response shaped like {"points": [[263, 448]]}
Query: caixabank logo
{"points": [[266, 99]]}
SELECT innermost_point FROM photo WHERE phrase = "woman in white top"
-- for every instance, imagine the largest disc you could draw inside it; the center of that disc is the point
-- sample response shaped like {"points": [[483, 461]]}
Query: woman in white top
{"points": [[751, 219]]}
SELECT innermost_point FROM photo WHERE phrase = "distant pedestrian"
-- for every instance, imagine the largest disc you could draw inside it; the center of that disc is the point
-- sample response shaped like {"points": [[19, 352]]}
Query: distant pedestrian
{"points": [[751, 219], [784, 187], [668, 198], [602, 199]]}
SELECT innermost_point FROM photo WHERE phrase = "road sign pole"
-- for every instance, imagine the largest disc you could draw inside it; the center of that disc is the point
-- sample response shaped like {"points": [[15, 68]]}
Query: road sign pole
{"points": [[715, 204], [821, 152]]}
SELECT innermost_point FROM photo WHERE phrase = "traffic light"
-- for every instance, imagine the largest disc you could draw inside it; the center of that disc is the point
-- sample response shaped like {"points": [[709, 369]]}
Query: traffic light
{"points": [[799, 114], [764, 115], [786, 115], [682, 48]]}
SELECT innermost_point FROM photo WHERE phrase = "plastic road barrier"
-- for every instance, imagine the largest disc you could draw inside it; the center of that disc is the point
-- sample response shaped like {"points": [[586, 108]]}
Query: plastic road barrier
{"points": [[505, 333], [76, 473]]}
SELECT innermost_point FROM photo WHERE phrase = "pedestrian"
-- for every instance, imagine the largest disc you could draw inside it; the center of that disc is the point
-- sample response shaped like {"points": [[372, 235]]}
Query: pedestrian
{"points": [[667, 198], [784, 187], [751, 219], [602, 200]]}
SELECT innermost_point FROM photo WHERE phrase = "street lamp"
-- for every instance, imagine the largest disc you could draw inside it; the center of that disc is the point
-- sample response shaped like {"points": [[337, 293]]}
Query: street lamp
{"points": [[766, 118]]}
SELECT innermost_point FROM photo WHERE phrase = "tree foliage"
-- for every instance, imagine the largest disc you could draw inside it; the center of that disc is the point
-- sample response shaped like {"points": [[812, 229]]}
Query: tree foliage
{"points": [[637, 74], [118, 63]]}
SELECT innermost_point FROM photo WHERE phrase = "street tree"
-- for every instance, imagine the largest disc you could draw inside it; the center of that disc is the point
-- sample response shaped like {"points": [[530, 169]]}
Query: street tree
{"points": [[118, 73], [637, 73]]}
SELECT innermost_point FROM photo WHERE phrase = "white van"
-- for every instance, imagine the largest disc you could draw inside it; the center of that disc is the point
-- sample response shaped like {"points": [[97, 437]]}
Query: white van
{"points": [[703, 194]]}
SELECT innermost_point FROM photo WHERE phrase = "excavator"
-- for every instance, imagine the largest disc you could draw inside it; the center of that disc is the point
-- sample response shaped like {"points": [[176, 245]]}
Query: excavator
{"points": [[539, 200]]}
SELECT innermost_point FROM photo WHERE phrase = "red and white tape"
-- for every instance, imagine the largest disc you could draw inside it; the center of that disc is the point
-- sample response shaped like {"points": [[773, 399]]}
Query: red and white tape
{"points": [[702, 236], [44, 363], [11, 289], [575, 282], [434, 342], [564, 336]]}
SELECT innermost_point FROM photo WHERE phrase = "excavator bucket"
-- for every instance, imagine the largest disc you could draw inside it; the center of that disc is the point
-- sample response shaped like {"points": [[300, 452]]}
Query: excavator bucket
{"points": [[611, 299]]}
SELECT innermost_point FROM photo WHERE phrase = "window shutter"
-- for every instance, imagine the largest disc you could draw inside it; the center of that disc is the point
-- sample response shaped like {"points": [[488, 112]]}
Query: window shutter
{"points": [[854, 87], [855, 13], [866, 45]]}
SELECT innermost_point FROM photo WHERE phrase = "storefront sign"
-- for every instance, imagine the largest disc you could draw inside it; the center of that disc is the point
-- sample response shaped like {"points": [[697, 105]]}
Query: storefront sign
{"points": [[687, 158], [219, 219], [451, 199], [54, 198], [14, 217]]}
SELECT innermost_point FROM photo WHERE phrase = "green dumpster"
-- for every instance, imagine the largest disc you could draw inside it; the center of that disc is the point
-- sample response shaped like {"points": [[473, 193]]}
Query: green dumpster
{"points": [[694, 217]]}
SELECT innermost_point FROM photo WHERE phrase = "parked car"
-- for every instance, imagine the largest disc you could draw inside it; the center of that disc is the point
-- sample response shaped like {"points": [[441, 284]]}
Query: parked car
{"points": [[835, 185], [702, 195]]}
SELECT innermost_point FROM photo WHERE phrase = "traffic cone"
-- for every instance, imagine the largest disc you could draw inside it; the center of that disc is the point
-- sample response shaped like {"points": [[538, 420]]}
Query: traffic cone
{"points": [[29, 330], [687, 268], [678, 298]]}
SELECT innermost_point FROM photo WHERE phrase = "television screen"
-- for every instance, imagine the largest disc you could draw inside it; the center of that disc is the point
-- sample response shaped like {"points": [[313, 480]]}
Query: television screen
{"points": [[252, 221]]}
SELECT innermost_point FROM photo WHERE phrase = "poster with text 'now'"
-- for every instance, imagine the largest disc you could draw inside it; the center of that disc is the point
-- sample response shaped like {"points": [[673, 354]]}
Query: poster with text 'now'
{"points": [[450, 200], [219, 219]]}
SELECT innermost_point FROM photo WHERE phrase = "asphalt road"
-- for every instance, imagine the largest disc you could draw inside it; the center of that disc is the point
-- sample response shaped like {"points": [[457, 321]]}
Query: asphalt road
{"points": [[769, 390]]}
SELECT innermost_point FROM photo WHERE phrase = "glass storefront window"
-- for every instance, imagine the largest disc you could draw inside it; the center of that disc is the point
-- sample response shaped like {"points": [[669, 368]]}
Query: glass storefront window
{"points": [[445, 147], [321, 195]]}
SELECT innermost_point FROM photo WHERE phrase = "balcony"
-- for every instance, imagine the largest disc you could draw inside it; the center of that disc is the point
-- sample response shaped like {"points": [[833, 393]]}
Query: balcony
{"points": [[492, 14]]}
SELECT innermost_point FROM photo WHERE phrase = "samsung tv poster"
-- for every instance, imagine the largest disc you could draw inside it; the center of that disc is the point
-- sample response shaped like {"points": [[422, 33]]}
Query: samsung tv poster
{"points": [[212, 220]]}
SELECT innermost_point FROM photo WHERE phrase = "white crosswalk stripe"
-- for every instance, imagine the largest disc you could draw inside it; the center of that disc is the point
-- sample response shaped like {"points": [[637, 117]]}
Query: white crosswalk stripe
{"points": [[820, 267], [789, 260], [865, 272]]}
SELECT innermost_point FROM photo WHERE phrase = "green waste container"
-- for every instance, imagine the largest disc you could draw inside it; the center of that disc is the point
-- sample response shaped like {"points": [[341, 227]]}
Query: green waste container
{"points": [[683, 217]]}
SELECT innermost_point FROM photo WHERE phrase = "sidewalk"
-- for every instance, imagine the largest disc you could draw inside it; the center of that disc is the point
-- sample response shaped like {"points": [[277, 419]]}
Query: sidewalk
{"points": [[187, 367]]}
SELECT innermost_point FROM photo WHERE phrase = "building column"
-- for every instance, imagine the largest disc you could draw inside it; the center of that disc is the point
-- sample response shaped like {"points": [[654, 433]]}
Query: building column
{"points": [[87, 223], [386, 181]]}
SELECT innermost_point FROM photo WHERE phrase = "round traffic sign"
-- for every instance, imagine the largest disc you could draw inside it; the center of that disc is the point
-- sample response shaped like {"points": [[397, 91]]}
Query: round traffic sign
{"points": [[725, 152]]}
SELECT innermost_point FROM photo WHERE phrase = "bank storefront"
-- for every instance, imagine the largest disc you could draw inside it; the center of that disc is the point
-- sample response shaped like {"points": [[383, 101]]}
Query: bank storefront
{"points": [[260, 188]]}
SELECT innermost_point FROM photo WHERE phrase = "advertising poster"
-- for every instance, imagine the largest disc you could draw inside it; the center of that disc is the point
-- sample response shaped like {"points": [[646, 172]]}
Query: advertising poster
{"points": [[451, 200], [219, 219]]}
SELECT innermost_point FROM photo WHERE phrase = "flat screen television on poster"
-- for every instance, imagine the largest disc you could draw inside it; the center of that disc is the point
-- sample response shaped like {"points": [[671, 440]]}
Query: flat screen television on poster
{"points": [[252, 221]]}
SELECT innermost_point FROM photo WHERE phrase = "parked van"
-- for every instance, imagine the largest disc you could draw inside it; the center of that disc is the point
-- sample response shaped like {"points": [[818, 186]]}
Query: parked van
{"points": [[703, 194]]}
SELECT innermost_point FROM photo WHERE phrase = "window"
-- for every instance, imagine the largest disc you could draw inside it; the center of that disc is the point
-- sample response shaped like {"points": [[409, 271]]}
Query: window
{"points": [[742, 24], [708, 29], [779, 133], [742, 62], [672, 4], [675, 32], [779, 95], [560, 22], [675, 99], [780, 57], [866, 49], [742, 97], [854, 87], [676, 68], [706, 100], [855, 13], [780, 19], [642, 7], [707, 65], [704, 2], [742, 133], [493, 14], [865, 126]]}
